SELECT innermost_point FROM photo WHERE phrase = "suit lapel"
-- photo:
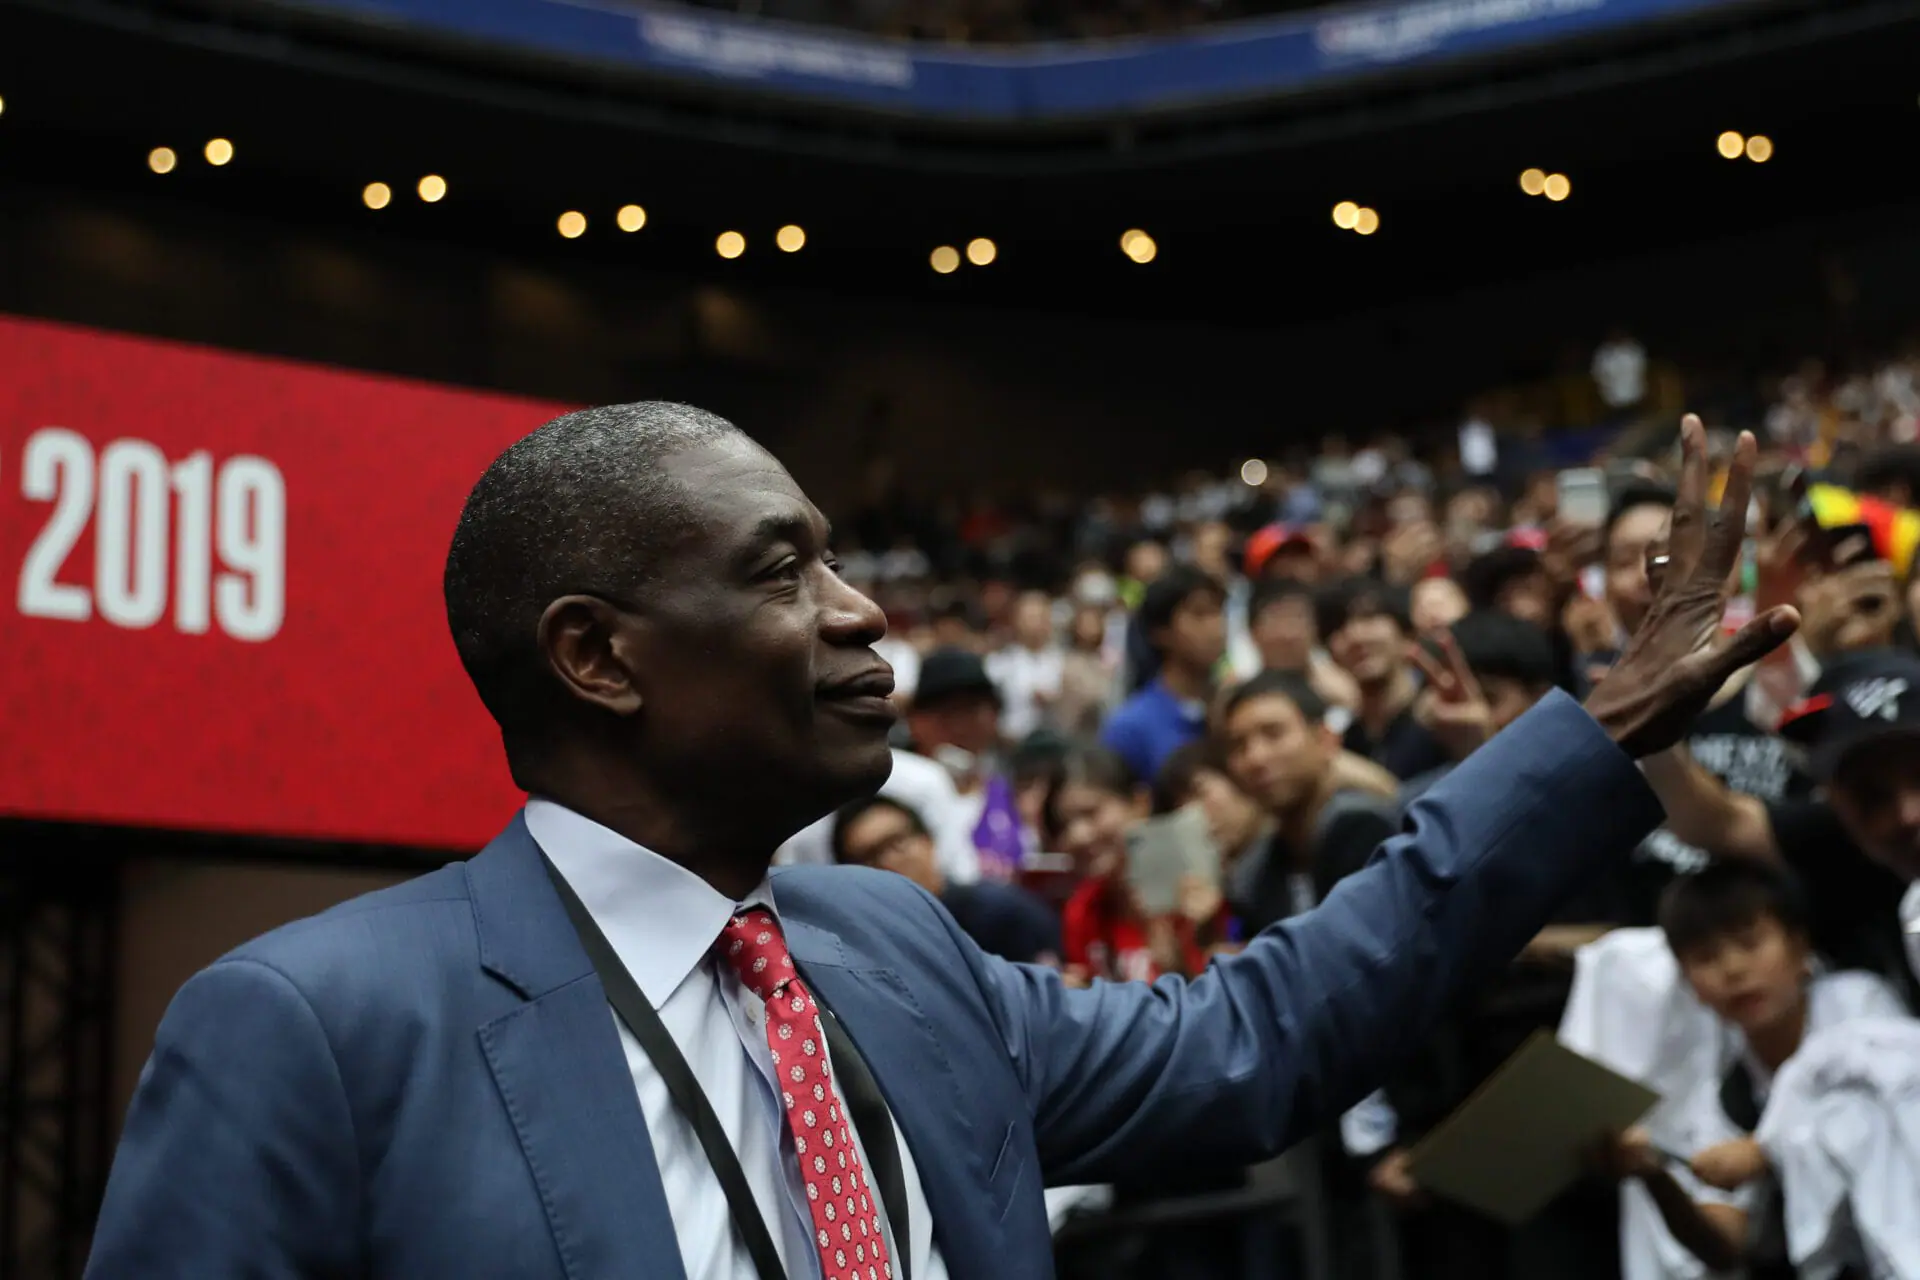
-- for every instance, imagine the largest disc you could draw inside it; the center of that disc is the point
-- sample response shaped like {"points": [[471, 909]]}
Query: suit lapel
{"points": [[917, 1080], [563, 1076]]}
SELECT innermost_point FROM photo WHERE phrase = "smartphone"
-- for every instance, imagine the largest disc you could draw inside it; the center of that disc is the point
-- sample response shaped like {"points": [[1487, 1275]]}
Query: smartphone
{"points": [[1583, 496], [1162, 851]]}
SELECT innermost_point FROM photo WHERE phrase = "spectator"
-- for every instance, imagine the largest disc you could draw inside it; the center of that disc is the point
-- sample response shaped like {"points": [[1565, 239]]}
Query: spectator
{"points": [[1620, 371], [1436, 604], [1028, 669], [1281, 752], [1091, 806], [1146, 560], [1006, 921], [1182, 623], [1862, 726], [955, 719], [1197, 774], [1089, 678], [1365, 626], [1510, 579], [1740, 933], [1286, 636], [1282, 551]]}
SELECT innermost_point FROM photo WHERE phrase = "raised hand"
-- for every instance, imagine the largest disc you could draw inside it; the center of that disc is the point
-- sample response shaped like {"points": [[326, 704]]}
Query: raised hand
{"points": [[1452, 708], [1679, 657]]}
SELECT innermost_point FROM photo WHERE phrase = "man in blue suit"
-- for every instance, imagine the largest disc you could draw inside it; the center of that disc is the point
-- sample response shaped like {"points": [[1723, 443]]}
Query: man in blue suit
{"points": [[454, 1077]]}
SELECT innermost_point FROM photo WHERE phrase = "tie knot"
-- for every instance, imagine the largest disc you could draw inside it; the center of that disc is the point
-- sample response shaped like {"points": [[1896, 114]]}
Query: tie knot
{"points": [[753, 944]]}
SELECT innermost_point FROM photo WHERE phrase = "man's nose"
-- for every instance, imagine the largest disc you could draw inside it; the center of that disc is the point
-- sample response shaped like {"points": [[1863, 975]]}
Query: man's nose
{"points": [[848, 617]]}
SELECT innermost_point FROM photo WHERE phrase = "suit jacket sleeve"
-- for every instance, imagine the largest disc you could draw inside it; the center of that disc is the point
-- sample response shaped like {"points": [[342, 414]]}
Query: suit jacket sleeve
{"points": [[1248, 1057], [238, 1157]]}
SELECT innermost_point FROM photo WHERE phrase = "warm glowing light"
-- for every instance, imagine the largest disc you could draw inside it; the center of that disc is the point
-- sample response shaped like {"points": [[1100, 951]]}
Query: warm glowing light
{"points": [[1346, 215], [572, 224], [376, 195], [1366, 221], [1127, 238], [1253, 472], [731, 244], [1558, 187], [1533, 181], [3, 106], [1759, 148], [946, 259], [790, 238], [981, 251], [218, 151], [432, 188], [162, 159], [1139, 246], [630, 218], [1731, 145]]}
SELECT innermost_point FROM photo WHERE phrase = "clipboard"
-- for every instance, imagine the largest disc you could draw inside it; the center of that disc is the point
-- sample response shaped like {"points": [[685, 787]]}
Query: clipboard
{"points": [[1528, 1132]]}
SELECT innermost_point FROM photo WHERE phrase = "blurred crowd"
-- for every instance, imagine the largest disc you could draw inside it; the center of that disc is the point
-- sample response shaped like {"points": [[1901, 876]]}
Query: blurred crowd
{"points": [[1139, 729]]}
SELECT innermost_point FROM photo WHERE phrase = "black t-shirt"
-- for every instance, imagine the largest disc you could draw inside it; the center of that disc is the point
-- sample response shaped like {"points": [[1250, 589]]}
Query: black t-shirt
{"points": [[1005, 920], [1405, 749], [1854, 902], [1745, 757], [1284, 882]]}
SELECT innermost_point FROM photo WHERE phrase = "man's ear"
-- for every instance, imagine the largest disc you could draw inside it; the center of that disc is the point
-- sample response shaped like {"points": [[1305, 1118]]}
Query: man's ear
{"points": [[592, 648]]}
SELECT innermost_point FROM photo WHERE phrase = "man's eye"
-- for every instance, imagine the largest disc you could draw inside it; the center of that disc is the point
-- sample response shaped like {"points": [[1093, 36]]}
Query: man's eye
{"points": [[786, 570], [833, 565]]}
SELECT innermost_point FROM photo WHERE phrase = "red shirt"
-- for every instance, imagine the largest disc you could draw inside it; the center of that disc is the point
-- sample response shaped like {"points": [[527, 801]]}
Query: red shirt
{"points": [[1100, 935]]}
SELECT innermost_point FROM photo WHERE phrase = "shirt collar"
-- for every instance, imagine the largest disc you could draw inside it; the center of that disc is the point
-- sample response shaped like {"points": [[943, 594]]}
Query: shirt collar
{"points": [[661, 919]]}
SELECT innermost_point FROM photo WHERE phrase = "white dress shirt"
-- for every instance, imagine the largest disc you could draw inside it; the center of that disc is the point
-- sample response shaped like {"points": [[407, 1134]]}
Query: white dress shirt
{"points": [[662, 921]]}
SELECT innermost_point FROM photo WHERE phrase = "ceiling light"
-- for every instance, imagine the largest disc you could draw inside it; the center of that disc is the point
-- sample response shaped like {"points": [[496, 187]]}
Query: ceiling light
{"points": [[945, 259], [1253, 472], [572, 224], [3, 106], [162, 159], [1345, 215], [731, 244], [981, 251], [1731, 145], [1759, 148], [1139, 246], [432, 188], [218, 151], [790, 238], [1366, 221], [1533, 181], [630, 218], [1558, 187], [376, 195]]}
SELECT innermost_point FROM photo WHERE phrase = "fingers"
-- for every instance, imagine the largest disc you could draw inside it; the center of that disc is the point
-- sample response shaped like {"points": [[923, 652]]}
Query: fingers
{"points": [[1730, 525], [1438, 677], [1465, 685], [1749, 644], [1687, 538]]}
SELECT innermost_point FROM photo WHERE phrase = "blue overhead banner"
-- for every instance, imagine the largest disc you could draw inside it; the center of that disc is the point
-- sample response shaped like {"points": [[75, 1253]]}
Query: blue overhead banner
{"points": [[1250, 59]]}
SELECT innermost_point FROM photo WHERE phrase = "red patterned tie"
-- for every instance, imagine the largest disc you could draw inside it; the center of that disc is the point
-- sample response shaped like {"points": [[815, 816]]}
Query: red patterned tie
{"points": [[846, 1219]]}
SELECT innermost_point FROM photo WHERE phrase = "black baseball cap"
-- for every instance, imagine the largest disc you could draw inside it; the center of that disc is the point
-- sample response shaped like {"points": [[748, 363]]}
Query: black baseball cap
{"points": [[950, 673], [1859, 699]]}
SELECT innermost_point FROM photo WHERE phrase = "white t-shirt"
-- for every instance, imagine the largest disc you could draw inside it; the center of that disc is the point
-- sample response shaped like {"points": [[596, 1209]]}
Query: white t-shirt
{"points": [[1024, 676], [923, 786]]}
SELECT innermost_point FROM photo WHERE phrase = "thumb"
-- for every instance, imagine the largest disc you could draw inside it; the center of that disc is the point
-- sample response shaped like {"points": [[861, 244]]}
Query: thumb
{"points": [[1761, 636]]}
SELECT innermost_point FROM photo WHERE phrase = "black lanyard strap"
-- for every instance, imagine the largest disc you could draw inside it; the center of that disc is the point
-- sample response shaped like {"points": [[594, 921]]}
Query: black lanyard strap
{"points": [[865, 1106]]}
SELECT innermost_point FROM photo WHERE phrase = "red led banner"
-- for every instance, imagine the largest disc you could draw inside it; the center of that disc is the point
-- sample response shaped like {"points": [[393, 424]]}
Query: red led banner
{"points": [[223, 605]]}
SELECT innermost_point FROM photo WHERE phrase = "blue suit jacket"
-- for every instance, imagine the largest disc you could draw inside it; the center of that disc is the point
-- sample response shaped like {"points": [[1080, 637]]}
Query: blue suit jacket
{"points": [[426, 1081]]}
